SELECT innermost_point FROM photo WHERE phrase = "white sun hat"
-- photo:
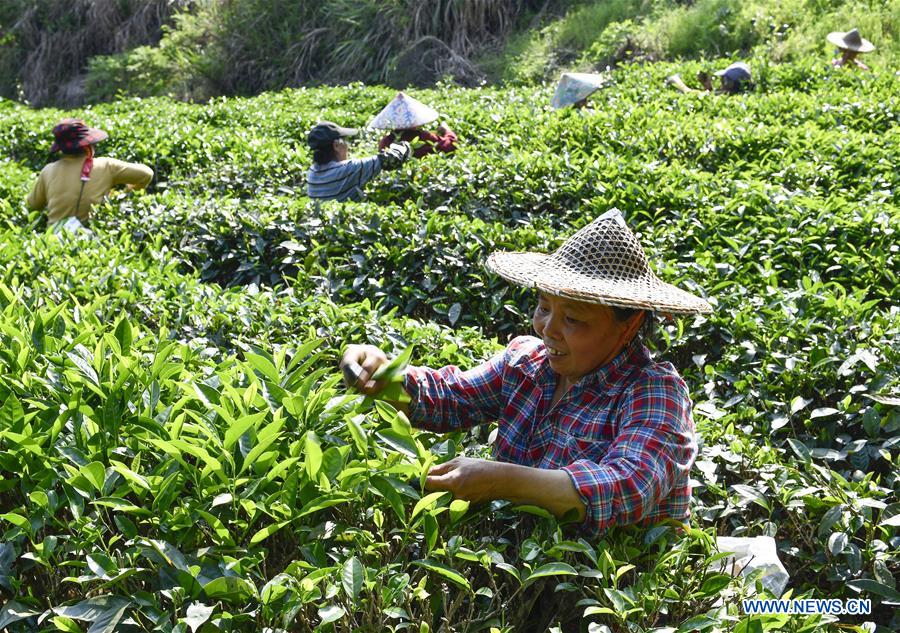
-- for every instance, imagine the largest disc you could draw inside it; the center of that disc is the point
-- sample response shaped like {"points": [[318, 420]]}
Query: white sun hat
{"points": [[601, 263], [850, 41], [402, 113], [573, 87]]}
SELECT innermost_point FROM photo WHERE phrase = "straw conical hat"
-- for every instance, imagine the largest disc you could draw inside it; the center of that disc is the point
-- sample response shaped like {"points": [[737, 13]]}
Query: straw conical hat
{"points": [[573, 87], [601, 263], [402, 113], [851, 41]]}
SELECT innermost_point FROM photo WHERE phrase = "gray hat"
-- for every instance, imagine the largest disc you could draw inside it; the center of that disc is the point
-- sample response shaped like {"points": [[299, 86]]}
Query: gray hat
{"points": [[325, 133], [737, 72]]}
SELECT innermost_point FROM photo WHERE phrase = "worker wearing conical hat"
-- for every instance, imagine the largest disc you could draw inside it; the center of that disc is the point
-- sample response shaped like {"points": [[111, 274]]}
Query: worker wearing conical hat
{"points": [[404, 116], [850, 46], [574, 89], [588, 423]]}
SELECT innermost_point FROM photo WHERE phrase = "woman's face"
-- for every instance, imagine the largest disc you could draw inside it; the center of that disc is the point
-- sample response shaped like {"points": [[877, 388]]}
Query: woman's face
{"points": [[580, 337]]}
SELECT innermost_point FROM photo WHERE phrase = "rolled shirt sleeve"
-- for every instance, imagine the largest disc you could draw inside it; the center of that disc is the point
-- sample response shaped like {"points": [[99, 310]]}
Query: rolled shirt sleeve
{"points": [[654, 447]]}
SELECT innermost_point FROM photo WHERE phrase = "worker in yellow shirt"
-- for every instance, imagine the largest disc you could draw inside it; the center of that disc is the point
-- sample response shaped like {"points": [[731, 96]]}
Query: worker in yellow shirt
{"points": [[69, 186]]}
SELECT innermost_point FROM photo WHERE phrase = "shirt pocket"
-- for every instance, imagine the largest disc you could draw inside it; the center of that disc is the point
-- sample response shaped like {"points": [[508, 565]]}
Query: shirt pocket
{"points": [[589, 448]]}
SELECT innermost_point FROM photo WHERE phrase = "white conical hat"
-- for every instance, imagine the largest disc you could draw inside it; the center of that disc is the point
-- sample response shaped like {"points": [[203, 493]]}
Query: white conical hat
{"points": [[573, 87], [602, 263], [403, 113]]}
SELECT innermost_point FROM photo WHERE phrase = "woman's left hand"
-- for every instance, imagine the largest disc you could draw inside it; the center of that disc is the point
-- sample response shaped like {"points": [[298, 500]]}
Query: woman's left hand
{"points": [[479, 480], [466, 477]]}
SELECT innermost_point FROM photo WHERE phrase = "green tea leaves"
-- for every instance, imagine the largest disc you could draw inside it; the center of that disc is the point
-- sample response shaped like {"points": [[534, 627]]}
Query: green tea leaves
{"points": [[393, 370], [230, 589], [313, 455], [352, 577], [445, 572]]}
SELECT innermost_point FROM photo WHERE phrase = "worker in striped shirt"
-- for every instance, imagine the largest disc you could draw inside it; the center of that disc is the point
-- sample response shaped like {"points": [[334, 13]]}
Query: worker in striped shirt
{"points": [[334, 176], [588, 423]]}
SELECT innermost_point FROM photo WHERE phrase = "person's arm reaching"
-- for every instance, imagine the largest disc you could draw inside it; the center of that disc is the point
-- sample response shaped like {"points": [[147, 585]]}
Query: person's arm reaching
{"points": [[445, 399], [359, 363], [678, 83], [134, 175], [478, 480]]}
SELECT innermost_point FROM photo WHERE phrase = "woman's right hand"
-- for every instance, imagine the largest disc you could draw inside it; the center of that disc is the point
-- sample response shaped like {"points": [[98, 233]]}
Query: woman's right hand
{"points": [[359, 363]]}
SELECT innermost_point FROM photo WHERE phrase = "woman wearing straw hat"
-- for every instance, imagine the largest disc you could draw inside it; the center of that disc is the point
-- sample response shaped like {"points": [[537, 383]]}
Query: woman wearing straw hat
{"points": [[404, 116], [850, 46], [588, 423], [69, 187]]}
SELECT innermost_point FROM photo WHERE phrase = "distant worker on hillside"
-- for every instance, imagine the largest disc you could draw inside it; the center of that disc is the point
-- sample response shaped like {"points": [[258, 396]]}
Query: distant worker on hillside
{"points": [[574, 89], [589, 425], [404, 117], [850, 46], [70, 186], [334, 176], [732, 80]]}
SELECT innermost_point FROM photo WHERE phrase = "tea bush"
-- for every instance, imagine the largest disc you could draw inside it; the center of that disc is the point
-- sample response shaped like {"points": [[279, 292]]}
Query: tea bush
{"points": [[177, 452]]}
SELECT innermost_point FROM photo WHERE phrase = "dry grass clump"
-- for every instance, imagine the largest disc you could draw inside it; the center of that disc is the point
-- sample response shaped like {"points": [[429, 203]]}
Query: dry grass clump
{"points": [[53, 41]]}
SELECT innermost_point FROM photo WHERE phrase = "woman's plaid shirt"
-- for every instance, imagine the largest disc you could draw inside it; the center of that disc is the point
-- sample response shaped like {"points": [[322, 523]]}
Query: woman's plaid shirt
{"points": [[623, 433]]}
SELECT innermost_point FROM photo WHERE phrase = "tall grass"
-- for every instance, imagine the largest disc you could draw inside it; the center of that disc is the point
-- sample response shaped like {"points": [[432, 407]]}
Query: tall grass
{"points": [[68, 52], [45, 45], [579, 29], [535, 54], [710, 27], [248, 46], [390, 41]]}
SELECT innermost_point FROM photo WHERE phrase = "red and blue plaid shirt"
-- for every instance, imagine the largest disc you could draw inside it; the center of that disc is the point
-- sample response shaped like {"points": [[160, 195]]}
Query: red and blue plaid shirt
{"points": [[623, 433]]}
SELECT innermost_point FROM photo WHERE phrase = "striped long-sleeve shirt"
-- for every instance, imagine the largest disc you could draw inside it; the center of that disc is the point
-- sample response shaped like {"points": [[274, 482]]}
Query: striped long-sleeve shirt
{"points": [[624, 433], [341, 180]]}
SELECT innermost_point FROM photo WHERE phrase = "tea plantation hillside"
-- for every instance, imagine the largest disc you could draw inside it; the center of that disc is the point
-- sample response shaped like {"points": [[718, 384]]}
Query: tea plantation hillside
{"points": [[177, 452]]}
